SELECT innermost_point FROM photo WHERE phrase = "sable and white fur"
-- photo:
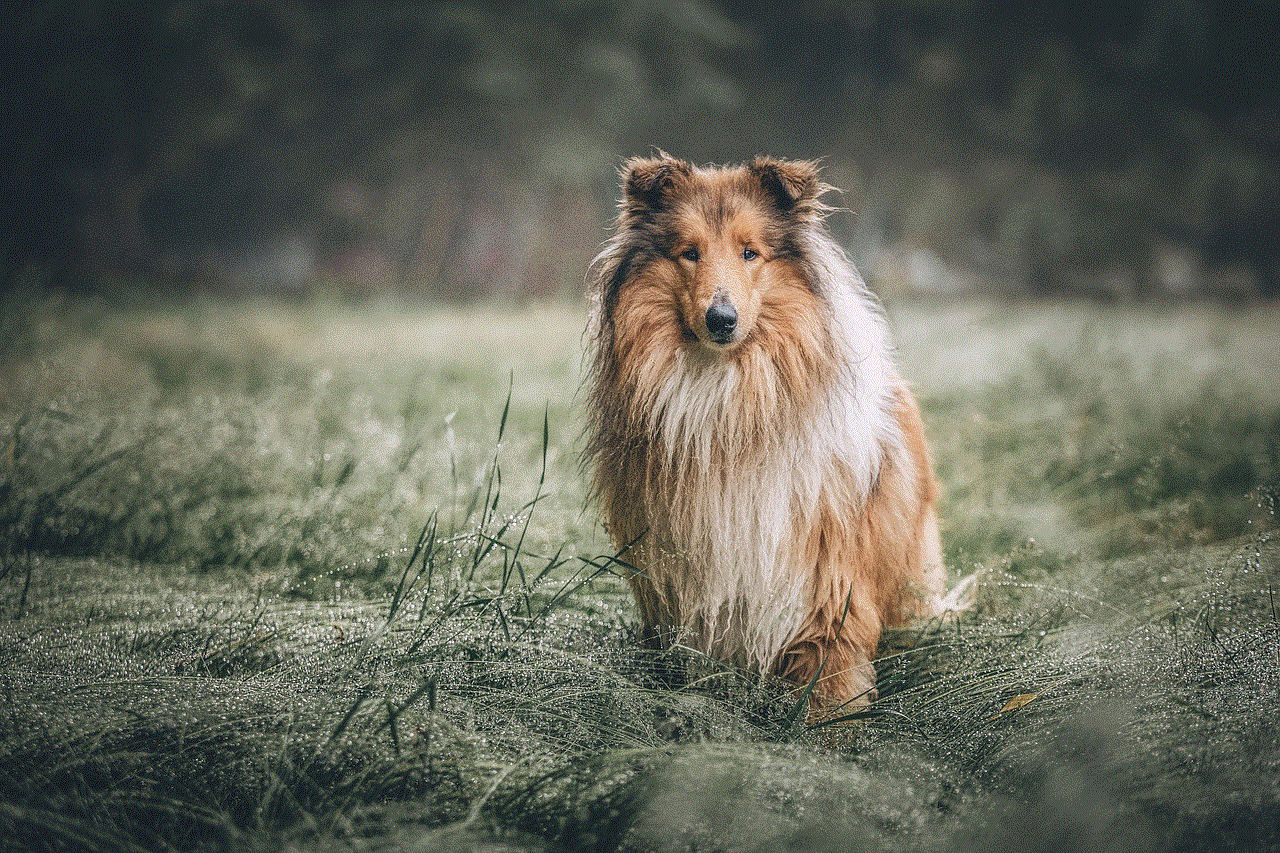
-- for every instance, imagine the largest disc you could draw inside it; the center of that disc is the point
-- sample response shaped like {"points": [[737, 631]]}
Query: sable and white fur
{"points": [[769, 473]]}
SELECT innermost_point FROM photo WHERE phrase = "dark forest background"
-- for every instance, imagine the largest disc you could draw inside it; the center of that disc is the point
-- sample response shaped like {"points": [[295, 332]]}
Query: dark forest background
{"points": [[468, 150]]}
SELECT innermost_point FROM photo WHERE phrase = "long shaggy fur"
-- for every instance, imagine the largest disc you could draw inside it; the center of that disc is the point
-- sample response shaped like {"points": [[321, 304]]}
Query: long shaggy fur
{"points": [[775, 487]]}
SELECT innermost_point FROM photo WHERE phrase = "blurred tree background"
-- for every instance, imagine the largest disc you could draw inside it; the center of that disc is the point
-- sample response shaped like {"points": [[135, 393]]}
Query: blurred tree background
{"points": [[468, 150]]}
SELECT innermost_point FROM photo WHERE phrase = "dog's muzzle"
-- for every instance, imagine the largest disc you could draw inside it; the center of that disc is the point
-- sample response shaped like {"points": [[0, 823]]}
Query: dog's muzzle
{"points": [[722, 319]]}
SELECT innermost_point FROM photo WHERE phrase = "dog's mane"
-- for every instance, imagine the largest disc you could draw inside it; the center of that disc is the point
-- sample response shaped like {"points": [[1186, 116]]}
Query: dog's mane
{"points": [[783, 419]]}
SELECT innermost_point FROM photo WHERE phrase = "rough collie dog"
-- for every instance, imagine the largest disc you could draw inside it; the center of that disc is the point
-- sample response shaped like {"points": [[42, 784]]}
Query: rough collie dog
{"points": [[752, 446]]}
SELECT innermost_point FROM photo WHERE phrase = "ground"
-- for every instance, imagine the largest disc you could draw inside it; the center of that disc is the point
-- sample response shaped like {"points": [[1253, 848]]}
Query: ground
{"points": [[312, 576]]}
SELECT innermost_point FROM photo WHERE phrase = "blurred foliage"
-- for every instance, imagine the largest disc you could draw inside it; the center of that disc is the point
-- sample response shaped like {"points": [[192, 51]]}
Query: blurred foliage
{"points": [[467, 149]]}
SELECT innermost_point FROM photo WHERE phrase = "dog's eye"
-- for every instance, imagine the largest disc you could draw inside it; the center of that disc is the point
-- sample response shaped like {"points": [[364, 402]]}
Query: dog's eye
{"points": [[749, 254], [690, 254]]}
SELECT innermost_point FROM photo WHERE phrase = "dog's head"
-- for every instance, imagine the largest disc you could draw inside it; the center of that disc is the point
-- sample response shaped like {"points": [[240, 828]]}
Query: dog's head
{"points": [[719, 241]]}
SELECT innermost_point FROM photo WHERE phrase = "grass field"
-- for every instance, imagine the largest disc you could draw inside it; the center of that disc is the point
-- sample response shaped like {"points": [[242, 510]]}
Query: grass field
{"points": [[315, 578]]}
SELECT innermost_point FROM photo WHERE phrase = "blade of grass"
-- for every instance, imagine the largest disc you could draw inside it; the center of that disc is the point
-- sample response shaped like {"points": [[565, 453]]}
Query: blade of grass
{"points": [[528, 514], [361, 696], [398, 597]]}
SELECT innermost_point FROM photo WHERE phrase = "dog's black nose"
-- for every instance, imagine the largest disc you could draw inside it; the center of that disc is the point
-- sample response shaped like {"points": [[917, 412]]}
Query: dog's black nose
{"points": [[721, 320]]}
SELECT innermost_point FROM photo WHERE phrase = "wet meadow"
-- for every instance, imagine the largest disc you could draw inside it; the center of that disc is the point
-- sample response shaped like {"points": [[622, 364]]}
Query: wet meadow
{"points": [[319, 577]]}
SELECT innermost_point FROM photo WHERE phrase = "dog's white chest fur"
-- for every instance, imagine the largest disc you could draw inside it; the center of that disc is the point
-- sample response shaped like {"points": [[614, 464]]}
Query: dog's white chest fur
{"points": [[730, 530]]}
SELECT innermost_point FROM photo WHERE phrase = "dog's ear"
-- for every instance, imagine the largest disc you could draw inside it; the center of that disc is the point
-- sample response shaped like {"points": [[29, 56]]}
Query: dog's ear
{"points": [[647, 182], [793, 185]]}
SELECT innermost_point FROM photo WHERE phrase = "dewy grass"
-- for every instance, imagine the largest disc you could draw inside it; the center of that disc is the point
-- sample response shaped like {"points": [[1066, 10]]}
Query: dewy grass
{"points": [[269, 580]]}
